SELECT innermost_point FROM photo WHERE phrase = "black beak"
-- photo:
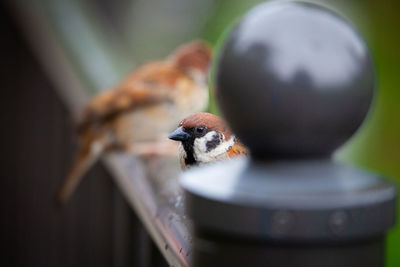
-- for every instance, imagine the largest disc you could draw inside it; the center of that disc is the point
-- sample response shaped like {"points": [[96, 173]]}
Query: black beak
{"points": [[179, 135]]}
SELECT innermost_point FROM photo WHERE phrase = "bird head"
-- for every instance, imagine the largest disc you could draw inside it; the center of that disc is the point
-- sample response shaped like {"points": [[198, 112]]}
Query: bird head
{"points": [[193, 58], [204, 138]]}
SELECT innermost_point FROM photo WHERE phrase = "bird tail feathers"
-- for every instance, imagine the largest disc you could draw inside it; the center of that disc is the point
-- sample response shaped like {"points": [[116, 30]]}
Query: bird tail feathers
{"points": [[87, 155]]}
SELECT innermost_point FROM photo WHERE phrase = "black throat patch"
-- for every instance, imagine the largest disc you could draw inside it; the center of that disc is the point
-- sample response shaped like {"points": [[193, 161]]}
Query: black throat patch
{"points": [[188, 147]]}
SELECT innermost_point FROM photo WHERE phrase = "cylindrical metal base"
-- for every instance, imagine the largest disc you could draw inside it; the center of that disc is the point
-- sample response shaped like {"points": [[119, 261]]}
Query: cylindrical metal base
{"points": [[303, 214], [220, 251]]}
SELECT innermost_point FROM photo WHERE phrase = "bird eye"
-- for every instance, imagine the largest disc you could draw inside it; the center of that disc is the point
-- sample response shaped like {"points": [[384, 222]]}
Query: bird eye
{"points": [[200, 129]]}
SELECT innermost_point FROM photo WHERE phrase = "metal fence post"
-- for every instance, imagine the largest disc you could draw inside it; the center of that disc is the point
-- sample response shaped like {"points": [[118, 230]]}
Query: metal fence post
{"points": [[294, 81]]}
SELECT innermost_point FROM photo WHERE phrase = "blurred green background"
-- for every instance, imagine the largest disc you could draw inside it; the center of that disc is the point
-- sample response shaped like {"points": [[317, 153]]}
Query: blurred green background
{"points": [[104, 40]]}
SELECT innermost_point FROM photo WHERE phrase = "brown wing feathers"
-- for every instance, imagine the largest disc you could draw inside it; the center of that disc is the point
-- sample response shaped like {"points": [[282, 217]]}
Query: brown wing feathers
{"points": [[113, 103]]}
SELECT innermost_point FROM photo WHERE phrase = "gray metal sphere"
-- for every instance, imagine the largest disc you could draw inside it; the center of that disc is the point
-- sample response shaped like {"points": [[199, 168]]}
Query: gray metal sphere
{"points": [[294, 80]]}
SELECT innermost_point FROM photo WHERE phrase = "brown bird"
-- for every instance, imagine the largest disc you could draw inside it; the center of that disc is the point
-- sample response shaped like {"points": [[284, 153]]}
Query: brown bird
{"points": [[142, 109], [205, 138]]}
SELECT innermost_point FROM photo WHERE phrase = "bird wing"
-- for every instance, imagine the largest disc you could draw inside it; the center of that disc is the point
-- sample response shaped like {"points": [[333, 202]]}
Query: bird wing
{"points": [[149, 85]]}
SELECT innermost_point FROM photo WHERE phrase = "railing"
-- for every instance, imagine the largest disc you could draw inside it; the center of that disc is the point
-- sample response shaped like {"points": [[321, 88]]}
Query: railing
{"points": [[156, 197]]}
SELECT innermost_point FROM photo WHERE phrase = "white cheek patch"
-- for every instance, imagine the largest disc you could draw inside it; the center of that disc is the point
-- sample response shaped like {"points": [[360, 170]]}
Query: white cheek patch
{"points": [[200, 144], [219, 152]]}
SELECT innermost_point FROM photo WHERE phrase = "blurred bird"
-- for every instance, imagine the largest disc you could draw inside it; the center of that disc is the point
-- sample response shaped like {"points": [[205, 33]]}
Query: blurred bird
{"points": [[205, 138], [139, 112]]}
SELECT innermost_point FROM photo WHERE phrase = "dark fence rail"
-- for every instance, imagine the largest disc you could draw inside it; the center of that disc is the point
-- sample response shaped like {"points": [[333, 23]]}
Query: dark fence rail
{"points": [[98, 227], [156, 197]]}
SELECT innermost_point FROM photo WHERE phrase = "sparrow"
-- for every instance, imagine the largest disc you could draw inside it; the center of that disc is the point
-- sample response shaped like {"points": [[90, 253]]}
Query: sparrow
{"points": [[205, 138], [141, 110]]}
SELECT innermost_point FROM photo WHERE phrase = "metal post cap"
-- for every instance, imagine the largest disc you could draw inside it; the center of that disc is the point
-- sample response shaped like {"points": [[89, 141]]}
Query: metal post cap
{"points": [[294, 80]]}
